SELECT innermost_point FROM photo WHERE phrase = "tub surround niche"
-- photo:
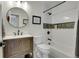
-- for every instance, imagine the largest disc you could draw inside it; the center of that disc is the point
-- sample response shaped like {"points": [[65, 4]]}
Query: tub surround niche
{"points": [[65, 25], [18, 46]]}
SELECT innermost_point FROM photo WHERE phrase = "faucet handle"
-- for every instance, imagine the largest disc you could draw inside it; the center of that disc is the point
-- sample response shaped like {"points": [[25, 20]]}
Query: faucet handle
{"points": [[14, 33], [49, 39], [21, 33]]}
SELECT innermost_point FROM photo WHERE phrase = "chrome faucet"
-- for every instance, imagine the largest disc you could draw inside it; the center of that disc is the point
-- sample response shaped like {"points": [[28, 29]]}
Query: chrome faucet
{"points": [[18, 33]]}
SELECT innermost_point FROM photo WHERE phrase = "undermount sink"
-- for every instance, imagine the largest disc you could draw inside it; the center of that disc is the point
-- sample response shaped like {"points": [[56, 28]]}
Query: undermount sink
{"points": [[17, 36]]}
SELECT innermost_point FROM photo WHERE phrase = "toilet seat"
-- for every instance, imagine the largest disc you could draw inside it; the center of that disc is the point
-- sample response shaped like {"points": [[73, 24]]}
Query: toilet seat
{"points": [[43, 46], [43, 50]]}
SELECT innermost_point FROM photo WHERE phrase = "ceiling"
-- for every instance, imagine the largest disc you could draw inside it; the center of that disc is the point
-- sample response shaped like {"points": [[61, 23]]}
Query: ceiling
{"points": [[53, 3], [50, 4], [47, 4]]}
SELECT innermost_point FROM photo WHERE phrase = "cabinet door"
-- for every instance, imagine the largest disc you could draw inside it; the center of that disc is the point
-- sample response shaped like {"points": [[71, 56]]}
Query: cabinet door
{"points": [[1, 48], [1, 52]]}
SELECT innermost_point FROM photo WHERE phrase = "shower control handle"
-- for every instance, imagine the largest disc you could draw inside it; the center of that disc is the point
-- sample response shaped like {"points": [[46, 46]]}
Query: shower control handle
{"points": [[49, 39]]}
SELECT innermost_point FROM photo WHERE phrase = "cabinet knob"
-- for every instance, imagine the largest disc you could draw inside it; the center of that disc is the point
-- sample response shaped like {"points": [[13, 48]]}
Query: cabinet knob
{"points": [[2, 44]]}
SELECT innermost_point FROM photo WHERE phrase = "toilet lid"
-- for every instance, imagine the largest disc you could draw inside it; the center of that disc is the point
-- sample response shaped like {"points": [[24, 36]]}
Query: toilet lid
{"points": [[44, 46]]}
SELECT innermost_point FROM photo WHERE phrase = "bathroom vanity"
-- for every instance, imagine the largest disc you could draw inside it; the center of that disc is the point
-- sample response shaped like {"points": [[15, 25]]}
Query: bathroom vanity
{"points": [[18, 46]]}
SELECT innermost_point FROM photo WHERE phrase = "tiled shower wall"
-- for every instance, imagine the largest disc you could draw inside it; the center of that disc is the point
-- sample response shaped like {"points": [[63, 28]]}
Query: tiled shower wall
{"points": [[64, 34]]}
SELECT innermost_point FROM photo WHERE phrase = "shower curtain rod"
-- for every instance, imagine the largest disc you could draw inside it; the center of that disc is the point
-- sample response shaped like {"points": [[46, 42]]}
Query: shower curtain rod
{"points": [[54, 6]]}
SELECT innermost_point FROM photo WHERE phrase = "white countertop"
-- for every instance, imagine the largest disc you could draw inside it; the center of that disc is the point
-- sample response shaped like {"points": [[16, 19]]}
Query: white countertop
{"points": [[16, 37]]}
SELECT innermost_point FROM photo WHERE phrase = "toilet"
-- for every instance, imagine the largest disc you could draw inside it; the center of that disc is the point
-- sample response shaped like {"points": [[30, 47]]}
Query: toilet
{"points": [[41, 50]]}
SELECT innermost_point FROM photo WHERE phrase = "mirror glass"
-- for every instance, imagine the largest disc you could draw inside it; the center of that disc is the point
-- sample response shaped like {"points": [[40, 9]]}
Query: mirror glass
{"points": [[17, 17]]}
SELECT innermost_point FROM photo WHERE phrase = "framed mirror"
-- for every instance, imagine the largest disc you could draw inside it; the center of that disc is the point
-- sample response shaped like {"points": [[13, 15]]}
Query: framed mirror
{"points": [[17, 17]]}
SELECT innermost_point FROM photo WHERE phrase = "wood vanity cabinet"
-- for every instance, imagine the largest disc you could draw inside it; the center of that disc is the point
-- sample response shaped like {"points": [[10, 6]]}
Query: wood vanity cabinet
{"points": [[18, 48]]}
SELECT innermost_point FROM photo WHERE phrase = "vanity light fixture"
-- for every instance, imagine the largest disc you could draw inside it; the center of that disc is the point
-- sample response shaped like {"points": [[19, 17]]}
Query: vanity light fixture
{"points": [[10, 3], [18, 3], [25, 5]]}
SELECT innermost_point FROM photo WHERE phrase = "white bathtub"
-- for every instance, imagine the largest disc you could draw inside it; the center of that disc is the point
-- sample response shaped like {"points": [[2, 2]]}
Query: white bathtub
{"points": [[56, 53]]}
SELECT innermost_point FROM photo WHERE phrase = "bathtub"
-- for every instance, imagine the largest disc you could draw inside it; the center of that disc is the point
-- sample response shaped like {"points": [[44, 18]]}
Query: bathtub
{"points": [[56, 53]]}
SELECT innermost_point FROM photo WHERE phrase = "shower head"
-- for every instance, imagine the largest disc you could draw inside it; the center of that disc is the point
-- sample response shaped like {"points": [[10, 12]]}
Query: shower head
{"points": [[49, 13]]}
